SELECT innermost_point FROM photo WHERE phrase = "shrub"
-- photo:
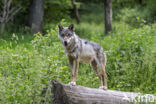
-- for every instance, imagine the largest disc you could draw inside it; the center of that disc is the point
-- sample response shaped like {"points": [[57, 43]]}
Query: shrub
{"points": [[131, 16]]}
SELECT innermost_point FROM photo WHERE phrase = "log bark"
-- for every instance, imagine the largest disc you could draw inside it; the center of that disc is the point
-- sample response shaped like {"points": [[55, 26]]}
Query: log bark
{"points": [[67, 94]]}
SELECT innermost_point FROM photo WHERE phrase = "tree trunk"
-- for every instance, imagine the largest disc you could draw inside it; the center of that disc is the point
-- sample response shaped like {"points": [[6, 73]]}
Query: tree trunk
{"points": [[36, 15], [2, 29], [108, 15], [67, 94], [76, 12], [140, 2]]}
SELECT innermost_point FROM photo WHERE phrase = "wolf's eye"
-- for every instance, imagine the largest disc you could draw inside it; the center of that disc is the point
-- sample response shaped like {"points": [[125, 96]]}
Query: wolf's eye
{"points": [[62, 35], [68, 34]]}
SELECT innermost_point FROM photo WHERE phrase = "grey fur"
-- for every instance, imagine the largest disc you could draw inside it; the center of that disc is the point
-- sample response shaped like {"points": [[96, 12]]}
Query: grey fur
{"points": [[80, 50]]}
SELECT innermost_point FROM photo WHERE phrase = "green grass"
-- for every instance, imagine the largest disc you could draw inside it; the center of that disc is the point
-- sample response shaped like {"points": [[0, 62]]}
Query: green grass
{"points": [[28, 63]]}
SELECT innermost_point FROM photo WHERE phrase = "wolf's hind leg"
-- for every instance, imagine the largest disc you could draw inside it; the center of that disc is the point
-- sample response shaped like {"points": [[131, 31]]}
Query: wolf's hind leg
{"points": [[104, 76]]}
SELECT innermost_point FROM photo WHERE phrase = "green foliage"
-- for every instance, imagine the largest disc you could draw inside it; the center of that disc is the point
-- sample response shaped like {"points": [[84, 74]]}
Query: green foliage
{"points": [[25, 70], [55, 10], [131, 59], [129, 10], [131, 16], [118, 4], [91, 1], [88, 14], [151, 10]]}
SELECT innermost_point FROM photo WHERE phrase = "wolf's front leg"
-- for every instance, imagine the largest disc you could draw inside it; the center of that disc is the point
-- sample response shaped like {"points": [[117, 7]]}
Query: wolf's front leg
{"points": [[74, 70], [71, 64]]}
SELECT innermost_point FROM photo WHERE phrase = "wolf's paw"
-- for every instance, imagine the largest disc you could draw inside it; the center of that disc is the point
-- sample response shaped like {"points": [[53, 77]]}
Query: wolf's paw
{"points": [[72, 83], [103, 87]]}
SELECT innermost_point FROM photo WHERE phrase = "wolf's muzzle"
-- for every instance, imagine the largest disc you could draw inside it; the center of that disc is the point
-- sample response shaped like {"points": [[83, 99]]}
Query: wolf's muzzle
{"points": [[65, 43]]}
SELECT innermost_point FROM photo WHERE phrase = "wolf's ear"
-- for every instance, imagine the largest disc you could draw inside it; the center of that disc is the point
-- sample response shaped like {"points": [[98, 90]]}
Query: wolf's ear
{"points": [[71, 27], [60, 27]]}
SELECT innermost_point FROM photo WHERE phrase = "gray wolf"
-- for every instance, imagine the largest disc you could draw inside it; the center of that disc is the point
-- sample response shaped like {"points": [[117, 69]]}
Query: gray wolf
{"points": [[79, 50]]}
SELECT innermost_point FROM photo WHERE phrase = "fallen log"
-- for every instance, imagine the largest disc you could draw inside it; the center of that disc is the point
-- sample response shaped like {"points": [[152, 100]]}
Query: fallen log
{"points": [[67, 94]]}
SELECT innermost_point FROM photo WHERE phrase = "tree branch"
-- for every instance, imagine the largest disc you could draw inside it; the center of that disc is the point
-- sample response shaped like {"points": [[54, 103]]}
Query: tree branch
{"points": [[8, 12], [13, 13]]}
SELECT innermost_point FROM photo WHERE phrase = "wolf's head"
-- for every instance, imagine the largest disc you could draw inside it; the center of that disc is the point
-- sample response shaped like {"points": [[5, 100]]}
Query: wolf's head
{"points": [[66, 35]]}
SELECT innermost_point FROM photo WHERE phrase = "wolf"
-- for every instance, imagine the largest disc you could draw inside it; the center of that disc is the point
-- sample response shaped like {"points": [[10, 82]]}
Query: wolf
{"points": [[83, 51]]}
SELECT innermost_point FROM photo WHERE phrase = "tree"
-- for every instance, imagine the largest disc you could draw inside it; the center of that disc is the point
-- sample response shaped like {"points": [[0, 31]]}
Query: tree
{"points": [[36, 15], [7, 14], [108, 15], [76, 12]]}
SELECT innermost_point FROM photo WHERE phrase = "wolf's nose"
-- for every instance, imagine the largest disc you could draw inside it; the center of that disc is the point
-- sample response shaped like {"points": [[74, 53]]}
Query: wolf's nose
{"points": [[65, 38], [65, 43]]}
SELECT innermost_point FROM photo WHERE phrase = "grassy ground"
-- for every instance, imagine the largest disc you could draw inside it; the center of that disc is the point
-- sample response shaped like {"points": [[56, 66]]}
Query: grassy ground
{"points": [[28, 63]]}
